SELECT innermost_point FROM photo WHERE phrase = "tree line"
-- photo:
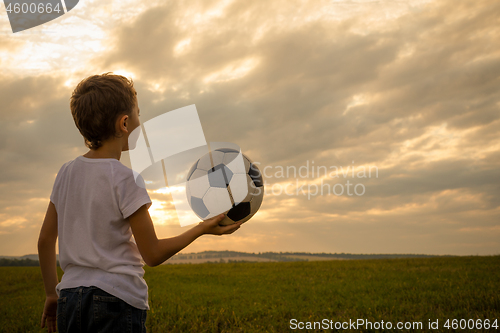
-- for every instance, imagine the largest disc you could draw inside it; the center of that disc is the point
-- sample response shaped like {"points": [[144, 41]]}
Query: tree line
{"points": [[20, 262]]}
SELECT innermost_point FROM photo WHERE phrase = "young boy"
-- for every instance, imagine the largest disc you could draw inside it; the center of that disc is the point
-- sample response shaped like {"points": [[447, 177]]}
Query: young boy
{"points": [[95, 208]]}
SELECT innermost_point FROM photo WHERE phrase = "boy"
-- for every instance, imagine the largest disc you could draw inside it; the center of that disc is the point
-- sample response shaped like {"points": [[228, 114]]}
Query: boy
{"points": [[95, 208]]}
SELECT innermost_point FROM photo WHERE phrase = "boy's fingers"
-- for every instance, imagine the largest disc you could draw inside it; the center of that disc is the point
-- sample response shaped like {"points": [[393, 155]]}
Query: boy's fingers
{"points": [[232, 227], [216, 219], [42, 324]]}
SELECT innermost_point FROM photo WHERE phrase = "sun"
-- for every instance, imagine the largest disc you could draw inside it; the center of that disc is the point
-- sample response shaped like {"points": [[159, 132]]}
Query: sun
{"points": [[125, 73]]}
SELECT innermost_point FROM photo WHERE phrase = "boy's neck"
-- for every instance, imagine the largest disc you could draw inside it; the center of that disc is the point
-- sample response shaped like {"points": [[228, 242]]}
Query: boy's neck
{"points": [[105, 151]]}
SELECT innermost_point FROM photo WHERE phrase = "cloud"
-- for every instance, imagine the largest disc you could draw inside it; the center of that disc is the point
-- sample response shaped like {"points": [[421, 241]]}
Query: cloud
{"points": [[36, 137], [409, 87]]}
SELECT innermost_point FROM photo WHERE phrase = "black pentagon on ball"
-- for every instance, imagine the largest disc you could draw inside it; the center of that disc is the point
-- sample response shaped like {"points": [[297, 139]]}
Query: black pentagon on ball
{"points": [[228, 174], [219, 176], [256, 176], [199, 207], [227, 150], [239, 211]]}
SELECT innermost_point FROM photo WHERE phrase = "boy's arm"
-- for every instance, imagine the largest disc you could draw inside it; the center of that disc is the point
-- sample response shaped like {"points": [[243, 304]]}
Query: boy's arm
{"points": [[47, 259], [47, 251], [155, 251]]}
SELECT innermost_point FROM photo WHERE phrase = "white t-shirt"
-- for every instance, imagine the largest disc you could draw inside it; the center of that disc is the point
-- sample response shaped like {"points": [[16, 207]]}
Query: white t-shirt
{"points": [[94, 198]]}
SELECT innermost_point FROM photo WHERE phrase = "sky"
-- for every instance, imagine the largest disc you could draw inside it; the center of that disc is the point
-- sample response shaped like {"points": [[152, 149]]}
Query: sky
{"points": [[405, 89]]}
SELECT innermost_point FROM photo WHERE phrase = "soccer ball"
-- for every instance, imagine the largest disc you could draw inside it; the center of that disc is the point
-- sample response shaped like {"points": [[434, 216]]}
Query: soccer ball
{"points": [[229, 186]]}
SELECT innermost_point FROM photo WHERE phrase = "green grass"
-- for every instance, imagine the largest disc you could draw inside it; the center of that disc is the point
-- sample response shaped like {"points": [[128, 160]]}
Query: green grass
{"points": [[264, 297]]}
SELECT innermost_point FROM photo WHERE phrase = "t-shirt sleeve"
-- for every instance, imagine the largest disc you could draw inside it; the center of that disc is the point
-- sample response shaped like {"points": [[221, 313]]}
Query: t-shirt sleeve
{"points": [[53, 195], [129, 194]]}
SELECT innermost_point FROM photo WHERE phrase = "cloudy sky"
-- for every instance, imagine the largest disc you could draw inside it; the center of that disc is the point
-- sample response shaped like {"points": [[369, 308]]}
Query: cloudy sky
{"points": [[408, 89]]}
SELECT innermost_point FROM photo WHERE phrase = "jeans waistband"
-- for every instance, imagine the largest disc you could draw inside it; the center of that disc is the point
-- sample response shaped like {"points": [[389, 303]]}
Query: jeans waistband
{"points": [[81, 289]]}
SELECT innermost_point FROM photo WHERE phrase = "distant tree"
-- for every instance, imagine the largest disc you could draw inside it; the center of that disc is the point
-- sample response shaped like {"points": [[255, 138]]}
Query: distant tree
{"points": [[19, 262]]}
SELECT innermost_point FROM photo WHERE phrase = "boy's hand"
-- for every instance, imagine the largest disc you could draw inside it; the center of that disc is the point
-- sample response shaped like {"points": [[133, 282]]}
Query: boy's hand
{"points": [[212, 227], [49, 314]]}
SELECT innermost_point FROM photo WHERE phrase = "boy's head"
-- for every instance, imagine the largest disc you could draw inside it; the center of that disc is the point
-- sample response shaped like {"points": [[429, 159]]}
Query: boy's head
{"points": [[96, 104]]}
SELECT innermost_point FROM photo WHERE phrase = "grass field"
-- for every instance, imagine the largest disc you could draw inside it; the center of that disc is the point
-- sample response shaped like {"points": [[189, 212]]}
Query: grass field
{"points": [[264, 297]]}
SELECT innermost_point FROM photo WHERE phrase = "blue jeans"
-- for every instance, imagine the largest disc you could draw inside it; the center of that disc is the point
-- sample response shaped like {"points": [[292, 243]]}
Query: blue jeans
{"points": [[90, 309]]}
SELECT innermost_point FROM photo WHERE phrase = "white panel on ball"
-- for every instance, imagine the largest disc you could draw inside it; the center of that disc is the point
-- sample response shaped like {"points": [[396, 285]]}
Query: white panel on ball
{"points": [[205, 163], [217, 201], [188, 193], [198, 185], [241, 189], [217, 157], [234, 164], [256, 200]]}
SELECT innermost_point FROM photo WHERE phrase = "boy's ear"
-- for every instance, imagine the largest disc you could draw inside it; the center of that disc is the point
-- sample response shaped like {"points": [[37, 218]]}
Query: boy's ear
{"points": [[122, 123]]}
